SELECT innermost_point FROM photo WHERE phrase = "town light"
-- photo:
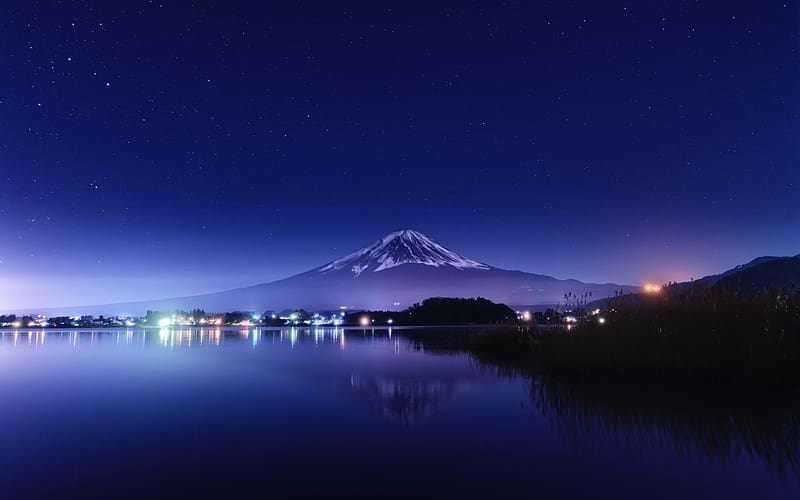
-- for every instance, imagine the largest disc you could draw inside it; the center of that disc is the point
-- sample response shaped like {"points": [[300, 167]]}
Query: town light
{"points": [[364, 321], [601, 320], [651, 288], [164, 322]]}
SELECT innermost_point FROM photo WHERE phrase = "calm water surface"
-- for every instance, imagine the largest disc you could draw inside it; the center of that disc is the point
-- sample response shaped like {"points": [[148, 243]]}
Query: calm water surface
{"points": [[325, 413]]}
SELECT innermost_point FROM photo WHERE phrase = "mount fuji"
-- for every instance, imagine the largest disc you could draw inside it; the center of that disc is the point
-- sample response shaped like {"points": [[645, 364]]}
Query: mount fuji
{"points": [[400, 269], [398, 248]]}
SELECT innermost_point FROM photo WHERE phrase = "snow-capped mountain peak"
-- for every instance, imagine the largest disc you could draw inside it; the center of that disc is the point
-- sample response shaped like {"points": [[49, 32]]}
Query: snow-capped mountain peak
{"points": [[401, 247]]}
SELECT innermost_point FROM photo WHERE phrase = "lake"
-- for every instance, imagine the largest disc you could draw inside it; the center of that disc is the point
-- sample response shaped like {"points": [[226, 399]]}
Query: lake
{"points": [[362, 414]]}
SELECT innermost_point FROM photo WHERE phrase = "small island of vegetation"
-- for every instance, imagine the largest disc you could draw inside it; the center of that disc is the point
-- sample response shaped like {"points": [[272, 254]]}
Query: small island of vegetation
{"points": [[439, 311]]}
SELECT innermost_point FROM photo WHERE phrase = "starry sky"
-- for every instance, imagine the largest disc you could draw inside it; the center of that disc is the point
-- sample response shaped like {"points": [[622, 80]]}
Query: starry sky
{"points": [[159, 148]]}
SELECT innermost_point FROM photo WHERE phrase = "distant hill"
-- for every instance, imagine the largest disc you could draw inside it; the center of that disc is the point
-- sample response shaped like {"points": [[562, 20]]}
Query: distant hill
{"points": [[759, 274], [762, 273], [714, 278]]}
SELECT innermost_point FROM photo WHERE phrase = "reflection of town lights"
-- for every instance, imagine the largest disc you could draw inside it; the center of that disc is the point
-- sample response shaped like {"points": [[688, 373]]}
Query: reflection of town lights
{"points": [[364, 321]]}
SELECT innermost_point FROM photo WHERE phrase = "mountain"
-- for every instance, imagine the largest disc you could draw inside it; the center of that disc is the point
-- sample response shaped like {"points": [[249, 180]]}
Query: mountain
{"points": [[398, 248], [400, 269], [714, 278], [760, 274]]}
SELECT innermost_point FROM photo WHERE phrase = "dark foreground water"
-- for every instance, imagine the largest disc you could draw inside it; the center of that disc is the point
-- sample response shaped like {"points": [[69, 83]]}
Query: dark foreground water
{"points": [[263, 413]]}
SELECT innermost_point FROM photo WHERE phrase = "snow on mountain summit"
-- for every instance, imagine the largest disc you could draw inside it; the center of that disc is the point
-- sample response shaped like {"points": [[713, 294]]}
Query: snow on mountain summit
{"points": [[401, 247]]}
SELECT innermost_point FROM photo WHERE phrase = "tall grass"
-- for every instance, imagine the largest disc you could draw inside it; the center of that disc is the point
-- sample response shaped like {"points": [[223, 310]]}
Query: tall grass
{"points": [[715, 335]]}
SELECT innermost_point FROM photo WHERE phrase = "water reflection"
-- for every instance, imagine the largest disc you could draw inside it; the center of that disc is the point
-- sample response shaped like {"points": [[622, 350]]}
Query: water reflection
{"points": [[185, 337], [396, 377], [407, 400], [699, 423]]}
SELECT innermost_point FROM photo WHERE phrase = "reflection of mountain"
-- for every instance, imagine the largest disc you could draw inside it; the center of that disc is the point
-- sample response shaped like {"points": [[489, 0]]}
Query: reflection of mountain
{"points": [[406, 400], [707, 424]]}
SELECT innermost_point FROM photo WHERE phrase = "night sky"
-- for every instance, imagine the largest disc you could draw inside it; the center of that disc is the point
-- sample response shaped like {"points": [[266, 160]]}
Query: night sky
{"points": [[151, 149]]}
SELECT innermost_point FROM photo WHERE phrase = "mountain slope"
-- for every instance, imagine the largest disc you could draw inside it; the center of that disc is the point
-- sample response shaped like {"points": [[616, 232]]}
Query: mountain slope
{"points": [[400, 269], [714, 278], [763, 273]]}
